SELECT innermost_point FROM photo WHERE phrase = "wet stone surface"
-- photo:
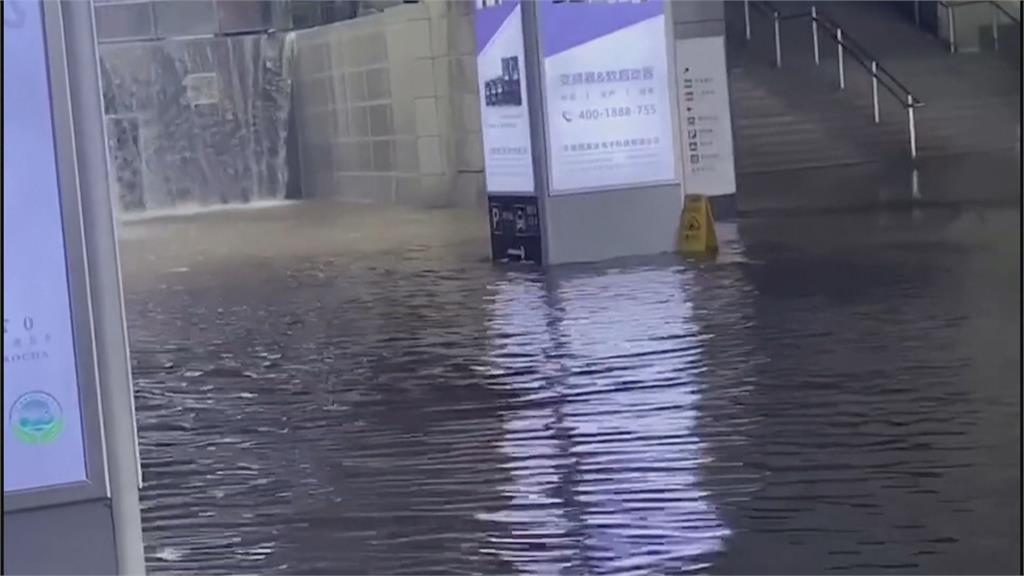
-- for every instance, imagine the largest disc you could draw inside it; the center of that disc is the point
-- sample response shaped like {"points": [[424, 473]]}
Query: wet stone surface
{"points": [[332, 389]]}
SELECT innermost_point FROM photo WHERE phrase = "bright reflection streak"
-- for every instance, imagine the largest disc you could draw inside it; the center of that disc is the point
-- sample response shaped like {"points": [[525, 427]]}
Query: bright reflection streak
{"points": [[602, 448]]}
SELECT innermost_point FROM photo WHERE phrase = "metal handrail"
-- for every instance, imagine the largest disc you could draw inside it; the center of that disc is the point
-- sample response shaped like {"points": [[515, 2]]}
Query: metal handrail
{"points": [[993, 4], [844, 44], [951, 19], [866, 59], [1009, 15], [855, 48]]}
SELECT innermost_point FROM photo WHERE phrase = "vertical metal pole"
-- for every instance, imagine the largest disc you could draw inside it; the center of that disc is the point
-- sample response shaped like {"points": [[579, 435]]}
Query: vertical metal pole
{"points": [[778, 41], [915, 195], [539, 137], [874, 87], [842, 67], [995, 27], [917, 13], [913, 128], [746, 17], [952, 29], [113, 368], [814, 34]]}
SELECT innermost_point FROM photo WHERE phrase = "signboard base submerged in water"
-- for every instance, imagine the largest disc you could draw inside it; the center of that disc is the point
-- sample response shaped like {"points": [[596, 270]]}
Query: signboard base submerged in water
{"points": [[515, 228]]}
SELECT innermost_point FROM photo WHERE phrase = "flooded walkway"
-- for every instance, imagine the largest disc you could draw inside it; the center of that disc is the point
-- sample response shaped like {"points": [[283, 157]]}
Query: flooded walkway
{"points": [[338, 389]]}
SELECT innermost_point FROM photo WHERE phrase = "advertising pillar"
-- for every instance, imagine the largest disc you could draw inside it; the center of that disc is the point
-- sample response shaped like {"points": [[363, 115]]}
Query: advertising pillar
{"points": [[514, 212], [579, 121], [70, 454], [610, 129]]}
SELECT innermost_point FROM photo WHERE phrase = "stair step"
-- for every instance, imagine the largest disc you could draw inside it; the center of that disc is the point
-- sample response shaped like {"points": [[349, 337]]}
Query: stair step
{"points": [[797, 117]]}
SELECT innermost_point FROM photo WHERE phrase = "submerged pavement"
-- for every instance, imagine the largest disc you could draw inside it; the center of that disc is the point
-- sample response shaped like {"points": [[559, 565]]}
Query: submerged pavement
{"points": [[328, 388]]}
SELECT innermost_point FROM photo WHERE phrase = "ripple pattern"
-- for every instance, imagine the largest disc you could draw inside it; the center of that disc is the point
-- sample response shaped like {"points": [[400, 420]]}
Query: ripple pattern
{"points": [[811, 408]]}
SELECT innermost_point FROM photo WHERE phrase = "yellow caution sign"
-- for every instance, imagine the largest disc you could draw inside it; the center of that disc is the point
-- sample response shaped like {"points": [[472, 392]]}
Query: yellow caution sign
{"points": [[697, 229]]}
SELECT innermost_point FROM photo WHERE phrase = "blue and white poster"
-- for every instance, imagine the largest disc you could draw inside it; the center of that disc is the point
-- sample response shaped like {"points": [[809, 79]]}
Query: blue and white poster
{"points": [[504, 106], [43, 436], [607, 94]]}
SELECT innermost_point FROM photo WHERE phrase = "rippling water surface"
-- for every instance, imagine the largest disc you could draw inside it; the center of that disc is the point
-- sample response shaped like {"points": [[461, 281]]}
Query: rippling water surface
{"points": [[340, 390]]}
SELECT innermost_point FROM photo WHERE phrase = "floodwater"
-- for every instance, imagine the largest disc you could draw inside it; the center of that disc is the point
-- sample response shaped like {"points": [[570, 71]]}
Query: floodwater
{"points": [[325, 388]]}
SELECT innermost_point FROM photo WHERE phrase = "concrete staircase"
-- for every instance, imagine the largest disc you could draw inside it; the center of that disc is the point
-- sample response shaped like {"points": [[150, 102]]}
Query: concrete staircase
{"points": [[796, 116]]}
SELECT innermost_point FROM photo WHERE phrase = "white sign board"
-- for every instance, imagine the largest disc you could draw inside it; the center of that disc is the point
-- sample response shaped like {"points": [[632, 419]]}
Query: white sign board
{"points": [[606, 94], [43, 433], [504, 106], [708, 162]]}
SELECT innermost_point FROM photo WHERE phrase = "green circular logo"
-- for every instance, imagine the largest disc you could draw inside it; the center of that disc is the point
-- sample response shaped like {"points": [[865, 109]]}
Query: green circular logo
{"points": [[36, 418]]}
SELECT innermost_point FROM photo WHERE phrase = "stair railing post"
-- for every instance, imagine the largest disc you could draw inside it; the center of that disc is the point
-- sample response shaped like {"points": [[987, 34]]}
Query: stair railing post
{"points": [[950, 20], [842, 67], [874, 88], [912, 127], [746, 18], [778, 41], [814, 34], [995, 27]]}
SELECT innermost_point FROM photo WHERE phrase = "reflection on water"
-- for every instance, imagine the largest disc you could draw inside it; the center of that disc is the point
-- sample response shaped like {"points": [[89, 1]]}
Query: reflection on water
{"points": [[844, 398], [601, 446]]}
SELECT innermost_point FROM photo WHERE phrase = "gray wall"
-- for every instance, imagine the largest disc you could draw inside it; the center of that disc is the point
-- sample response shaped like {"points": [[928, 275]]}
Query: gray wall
{"points": [[387, 107], [973, 23], [698, 19], [119, 20], [126, 20]]}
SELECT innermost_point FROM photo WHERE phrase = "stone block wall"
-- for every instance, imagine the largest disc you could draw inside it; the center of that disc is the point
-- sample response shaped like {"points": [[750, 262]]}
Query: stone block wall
{"points": [[698, 18], [973, 23], [387, 107], [124, 20]]}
